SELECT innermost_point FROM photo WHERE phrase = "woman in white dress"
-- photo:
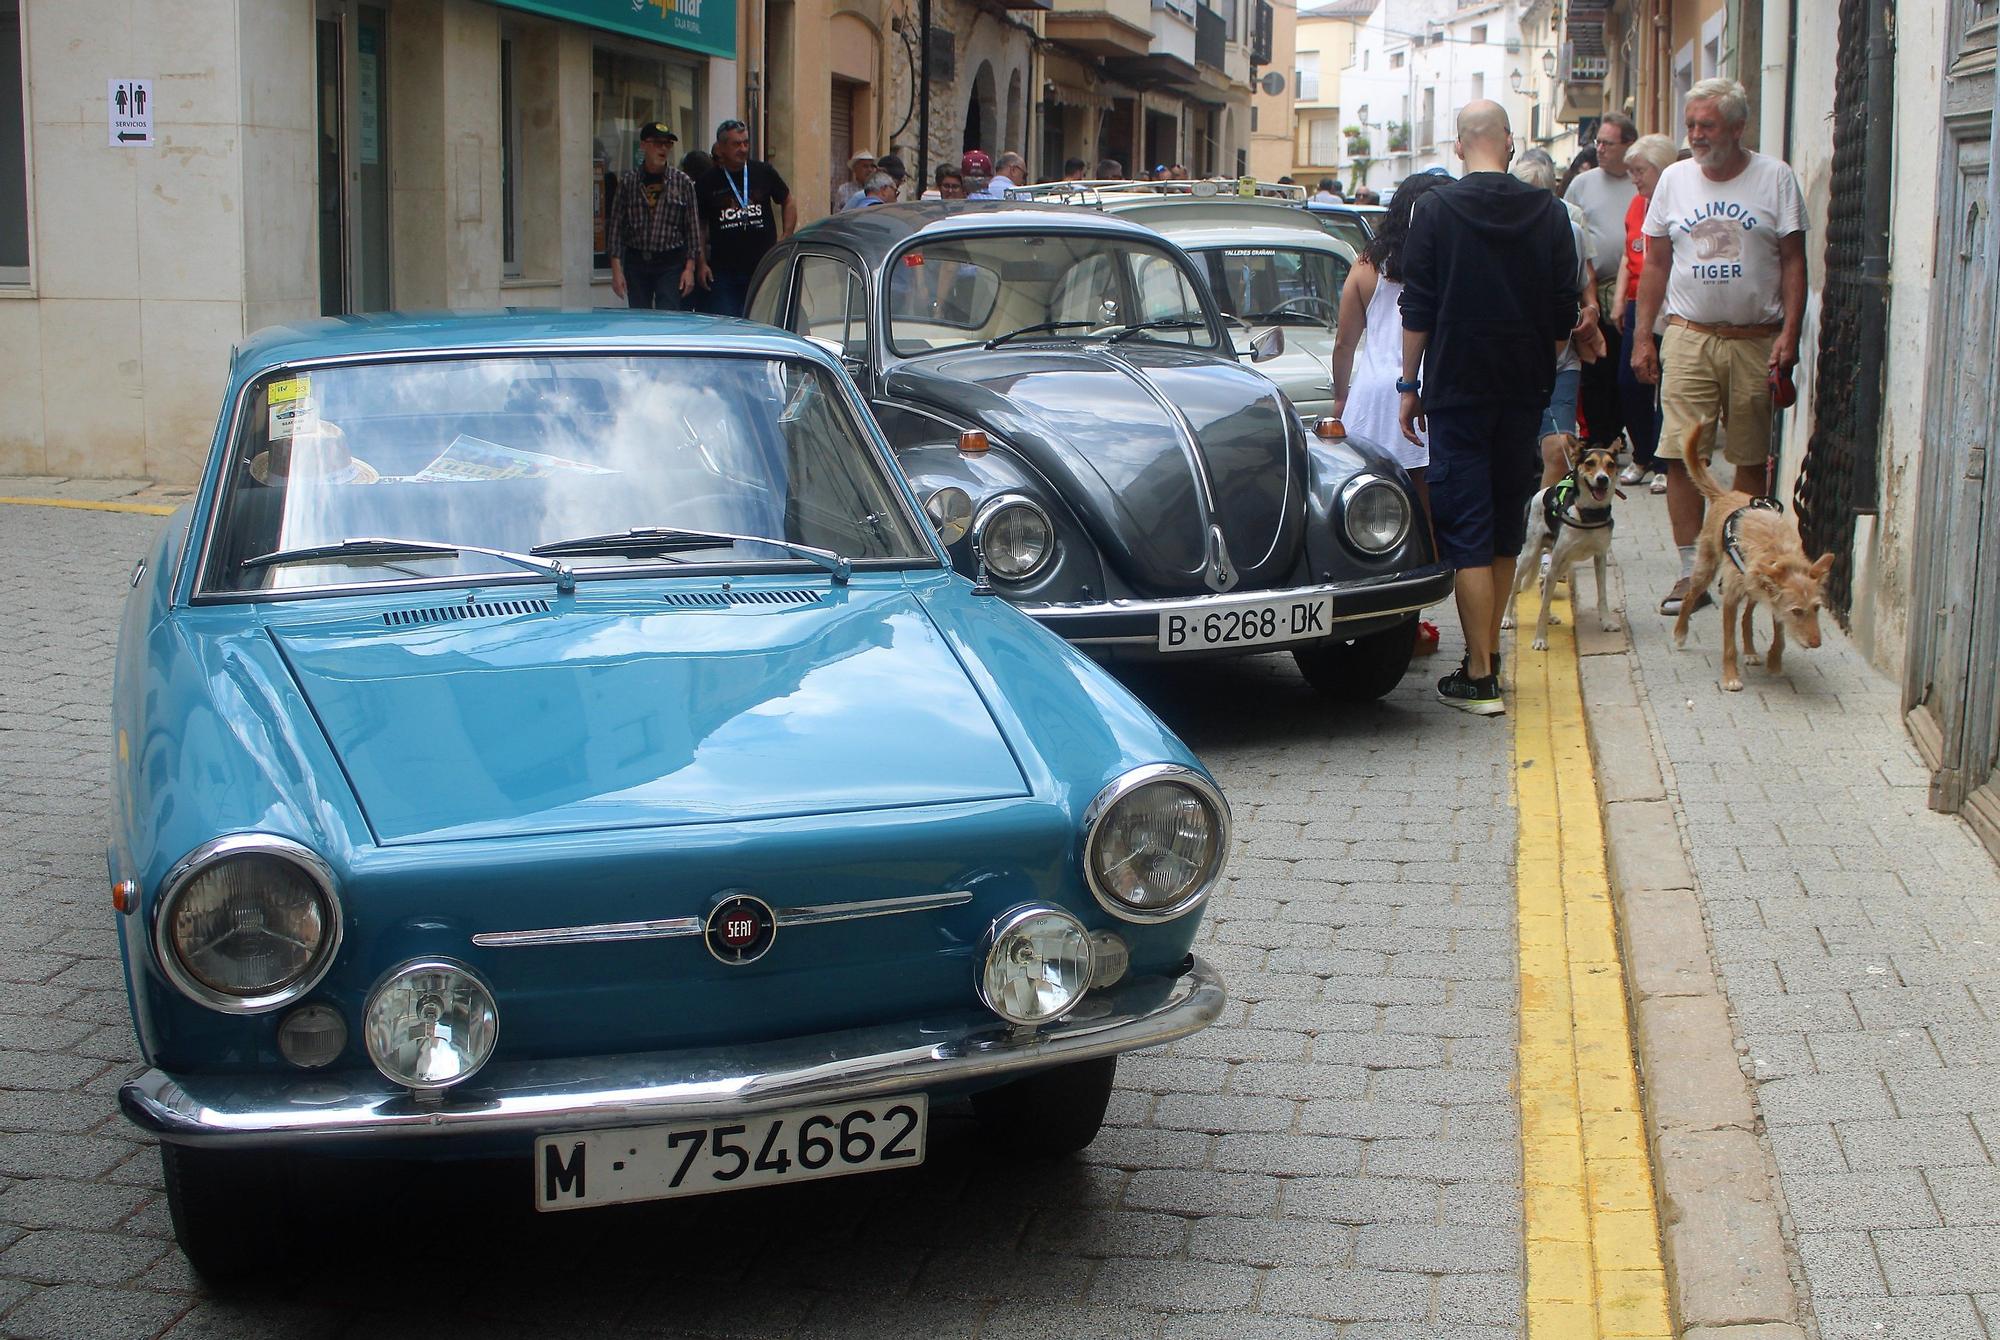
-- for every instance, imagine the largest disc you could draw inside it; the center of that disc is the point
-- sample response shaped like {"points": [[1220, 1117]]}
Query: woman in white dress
{"points": [[1371, 320], [1364, 396]]}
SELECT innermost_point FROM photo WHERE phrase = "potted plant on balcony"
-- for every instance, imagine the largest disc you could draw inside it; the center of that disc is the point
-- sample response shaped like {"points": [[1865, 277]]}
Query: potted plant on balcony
{"points": [[1399, 137], [1357, 141]]}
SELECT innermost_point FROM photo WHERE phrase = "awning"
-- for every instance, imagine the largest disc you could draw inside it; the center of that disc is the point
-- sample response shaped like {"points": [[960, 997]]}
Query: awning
{"points": [[697, 25]]}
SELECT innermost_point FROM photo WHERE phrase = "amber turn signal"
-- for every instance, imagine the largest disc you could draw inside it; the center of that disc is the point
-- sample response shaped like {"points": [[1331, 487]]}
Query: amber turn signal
{"points": [[125, 896], [972, 441], [1330, 428]]}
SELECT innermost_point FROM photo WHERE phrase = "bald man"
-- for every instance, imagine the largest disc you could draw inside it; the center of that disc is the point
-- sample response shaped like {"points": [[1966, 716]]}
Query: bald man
{"points": [[1490, 294]]}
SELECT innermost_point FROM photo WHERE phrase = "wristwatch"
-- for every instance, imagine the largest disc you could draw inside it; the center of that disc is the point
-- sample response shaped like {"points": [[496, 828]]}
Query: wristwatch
{"points": [[1407, 388]]}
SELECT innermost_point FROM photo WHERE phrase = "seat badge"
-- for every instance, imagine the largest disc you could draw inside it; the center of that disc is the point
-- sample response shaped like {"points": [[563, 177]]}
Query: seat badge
{"points": [[1220, 573], [740, 928]]}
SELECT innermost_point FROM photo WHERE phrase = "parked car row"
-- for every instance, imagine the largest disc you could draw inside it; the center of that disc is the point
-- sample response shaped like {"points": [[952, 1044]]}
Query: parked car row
{"points": [[624, 743]]}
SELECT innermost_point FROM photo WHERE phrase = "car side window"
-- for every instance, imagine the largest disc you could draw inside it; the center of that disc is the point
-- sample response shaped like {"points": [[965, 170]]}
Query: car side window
{"points": [[831, 305], [770, 295], [1166, 295]]}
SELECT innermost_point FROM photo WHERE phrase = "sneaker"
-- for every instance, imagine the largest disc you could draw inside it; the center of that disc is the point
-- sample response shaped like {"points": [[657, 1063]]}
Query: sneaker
{"points": [[1678, 596], [1635, 473], [1427, 638], [1659, 484], [1481, 696]]}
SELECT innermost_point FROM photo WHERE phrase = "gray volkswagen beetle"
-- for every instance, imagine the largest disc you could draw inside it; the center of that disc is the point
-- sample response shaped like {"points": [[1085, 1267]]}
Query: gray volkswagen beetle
{"points": [[1066, 398]]}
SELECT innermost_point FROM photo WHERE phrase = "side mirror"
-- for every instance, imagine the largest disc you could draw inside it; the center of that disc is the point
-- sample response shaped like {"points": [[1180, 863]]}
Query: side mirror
{"points": [[1267, 346], [854, 363]]}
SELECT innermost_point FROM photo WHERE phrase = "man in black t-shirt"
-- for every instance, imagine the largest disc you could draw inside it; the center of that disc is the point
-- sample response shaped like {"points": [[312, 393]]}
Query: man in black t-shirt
{"points": [[745, 208]]}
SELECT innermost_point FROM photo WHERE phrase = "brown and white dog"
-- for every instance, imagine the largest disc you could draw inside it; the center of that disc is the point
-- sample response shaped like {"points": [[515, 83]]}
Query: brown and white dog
{"points": [[1570, 520], [1762, 561]]}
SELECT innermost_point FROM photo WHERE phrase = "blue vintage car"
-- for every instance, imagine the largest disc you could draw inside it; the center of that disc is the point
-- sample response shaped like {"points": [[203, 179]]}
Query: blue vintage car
{"points": [[561, 736]]}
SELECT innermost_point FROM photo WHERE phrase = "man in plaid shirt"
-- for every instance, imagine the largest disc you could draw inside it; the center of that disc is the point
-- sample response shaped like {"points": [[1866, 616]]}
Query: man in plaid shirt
{"points": [[654, 231]]}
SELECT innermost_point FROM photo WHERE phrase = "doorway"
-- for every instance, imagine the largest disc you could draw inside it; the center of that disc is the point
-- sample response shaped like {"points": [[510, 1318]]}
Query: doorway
{"points": [[350, 47], [1952, 688]]}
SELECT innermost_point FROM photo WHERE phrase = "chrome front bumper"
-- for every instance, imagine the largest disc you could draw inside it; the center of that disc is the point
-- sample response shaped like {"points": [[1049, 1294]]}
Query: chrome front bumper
{"points": [[1137, 622], [660, 1088]]}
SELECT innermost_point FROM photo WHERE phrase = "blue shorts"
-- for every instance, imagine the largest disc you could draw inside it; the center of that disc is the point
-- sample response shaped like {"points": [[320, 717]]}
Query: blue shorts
{"points": [[1560, 416], [1485, 464]]}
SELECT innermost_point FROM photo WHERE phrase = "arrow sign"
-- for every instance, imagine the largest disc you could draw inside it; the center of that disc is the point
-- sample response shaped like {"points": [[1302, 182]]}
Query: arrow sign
{"points": [[128, 105]]}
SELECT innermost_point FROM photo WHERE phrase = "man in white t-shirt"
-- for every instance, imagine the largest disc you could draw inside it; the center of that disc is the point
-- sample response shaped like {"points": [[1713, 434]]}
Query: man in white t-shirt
{"points": [[1726, 257]]}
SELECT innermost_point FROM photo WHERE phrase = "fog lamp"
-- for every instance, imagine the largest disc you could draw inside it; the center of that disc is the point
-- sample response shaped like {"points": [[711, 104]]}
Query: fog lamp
{"points": [[1037, 965], [1110, 959], [312, 1036], [430, 1025]]}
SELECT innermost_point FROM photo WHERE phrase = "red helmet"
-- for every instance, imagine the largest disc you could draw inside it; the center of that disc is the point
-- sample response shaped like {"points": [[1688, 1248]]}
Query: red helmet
{"points": [[976, 163]]}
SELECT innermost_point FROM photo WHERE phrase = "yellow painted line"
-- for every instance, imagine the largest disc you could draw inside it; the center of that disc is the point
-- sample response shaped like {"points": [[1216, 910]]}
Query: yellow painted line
{"points": [[1593, 1236], [86, 505]]}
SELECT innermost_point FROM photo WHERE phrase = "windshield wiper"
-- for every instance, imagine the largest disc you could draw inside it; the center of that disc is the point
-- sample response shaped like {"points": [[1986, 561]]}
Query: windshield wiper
{"points": [[1039, 328], [1171, 323], [640, 538], [386, 548]]}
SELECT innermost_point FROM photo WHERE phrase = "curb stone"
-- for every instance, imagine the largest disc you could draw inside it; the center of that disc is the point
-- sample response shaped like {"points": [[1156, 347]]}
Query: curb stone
{"points": [[1729, 1272]]}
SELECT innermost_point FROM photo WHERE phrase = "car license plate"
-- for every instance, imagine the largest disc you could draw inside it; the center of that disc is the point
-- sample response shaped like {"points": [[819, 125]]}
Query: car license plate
{"points": [[1285, 620], [614, 1167]]}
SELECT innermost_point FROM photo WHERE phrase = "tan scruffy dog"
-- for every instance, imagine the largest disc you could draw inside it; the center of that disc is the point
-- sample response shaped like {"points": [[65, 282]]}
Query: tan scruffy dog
{"points": [[1762, 561]]}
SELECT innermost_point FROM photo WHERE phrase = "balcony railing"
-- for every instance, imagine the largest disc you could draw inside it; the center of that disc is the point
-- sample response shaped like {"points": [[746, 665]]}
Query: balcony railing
{"points": [[1211, 33]]}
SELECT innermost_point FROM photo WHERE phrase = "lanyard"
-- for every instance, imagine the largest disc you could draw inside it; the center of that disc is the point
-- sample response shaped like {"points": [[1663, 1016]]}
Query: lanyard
{"points": [[742, 196]]}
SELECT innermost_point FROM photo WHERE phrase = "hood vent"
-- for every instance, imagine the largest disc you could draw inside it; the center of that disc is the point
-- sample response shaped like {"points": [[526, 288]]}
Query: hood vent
{"points": [[715, 600], [479, 609]]}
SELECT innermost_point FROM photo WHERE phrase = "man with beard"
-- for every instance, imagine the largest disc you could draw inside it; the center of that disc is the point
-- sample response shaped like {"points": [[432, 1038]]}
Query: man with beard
{"points": [[1726, 258]]}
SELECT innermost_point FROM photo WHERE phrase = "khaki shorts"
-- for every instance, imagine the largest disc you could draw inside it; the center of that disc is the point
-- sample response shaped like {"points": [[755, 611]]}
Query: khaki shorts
{"points": [[1703, 376]]}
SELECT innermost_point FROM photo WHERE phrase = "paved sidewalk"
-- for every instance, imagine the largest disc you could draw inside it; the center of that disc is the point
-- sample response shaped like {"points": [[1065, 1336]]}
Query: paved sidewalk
{"points": [[1338, 1158], [1858, 937]]}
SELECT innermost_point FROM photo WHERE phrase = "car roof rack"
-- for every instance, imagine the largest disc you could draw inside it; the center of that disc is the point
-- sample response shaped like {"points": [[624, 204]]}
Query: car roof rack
{"points": [[1094, 193]]}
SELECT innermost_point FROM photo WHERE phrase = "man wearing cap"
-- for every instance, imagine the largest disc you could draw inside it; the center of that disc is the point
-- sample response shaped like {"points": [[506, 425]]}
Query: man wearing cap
{"points": [[859, 169], [745, 208], [889, 169], [976, 169], [653, 232]]}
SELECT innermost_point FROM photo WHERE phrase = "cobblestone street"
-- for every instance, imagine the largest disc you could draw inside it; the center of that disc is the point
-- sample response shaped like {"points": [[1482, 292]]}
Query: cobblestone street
{"points": [[1339, 1156]]}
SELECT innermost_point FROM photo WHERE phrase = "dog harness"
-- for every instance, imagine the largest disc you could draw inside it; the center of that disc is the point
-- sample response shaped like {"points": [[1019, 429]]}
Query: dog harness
{"points": [[1730, 544], [1559, 508]]}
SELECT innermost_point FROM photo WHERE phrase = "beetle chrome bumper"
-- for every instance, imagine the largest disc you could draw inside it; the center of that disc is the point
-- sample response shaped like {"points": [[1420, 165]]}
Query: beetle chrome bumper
{"points": [[536, 1097], [1111, 622]]}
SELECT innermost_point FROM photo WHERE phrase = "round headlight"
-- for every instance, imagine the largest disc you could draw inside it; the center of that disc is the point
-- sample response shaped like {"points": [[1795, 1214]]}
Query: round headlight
{"points": [[1037, 965], [1154, 842], [430, 1025], [247, 923], [1015, 538], [1376, 514], [950, 513]]}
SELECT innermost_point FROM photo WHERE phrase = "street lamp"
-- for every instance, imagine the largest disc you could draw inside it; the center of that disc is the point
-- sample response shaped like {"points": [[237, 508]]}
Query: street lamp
{"points": [[1514, 80], [1549, 63]]}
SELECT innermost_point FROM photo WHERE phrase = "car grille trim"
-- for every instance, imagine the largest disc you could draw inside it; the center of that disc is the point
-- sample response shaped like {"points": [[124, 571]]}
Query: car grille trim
{"points": [[673, 928], [471, 609], [723, 599]]}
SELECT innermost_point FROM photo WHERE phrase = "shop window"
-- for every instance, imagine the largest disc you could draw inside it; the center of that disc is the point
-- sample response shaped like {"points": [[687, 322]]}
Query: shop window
{"points": [[13, 151], [627, 92]]}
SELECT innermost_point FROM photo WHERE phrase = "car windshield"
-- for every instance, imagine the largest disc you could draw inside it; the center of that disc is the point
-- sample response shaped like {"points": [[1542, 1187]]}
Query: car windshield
{"points": [[511, 453], [949, 292], [1276, 285]]}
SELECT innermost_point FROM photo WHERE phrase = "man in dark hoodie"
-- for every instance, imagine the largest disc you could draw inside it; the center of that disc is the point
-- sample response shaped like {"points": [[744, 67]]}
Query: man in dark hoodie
{"points": [[1489, 297]]}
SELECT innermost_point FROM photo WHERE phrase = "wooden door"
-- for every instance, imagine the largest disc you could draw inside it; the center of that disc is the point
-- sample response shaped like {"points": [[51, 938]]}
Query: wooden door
{"points": [[1953, 684]]}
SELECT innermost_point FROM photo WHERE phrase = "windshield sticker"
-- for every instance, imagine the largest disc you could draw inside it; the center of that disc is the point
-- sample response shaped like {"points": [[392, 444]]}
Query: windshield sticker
{"points": [[294, 418], [292, 388], [475, 459], [1258, 251], [914, 259]]}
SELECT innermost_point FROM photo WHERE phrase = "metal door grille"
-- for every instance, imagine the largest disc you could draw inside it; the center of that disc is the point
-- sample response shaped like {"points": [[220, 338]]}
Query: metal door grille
{"points": [[1837, 478]]}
